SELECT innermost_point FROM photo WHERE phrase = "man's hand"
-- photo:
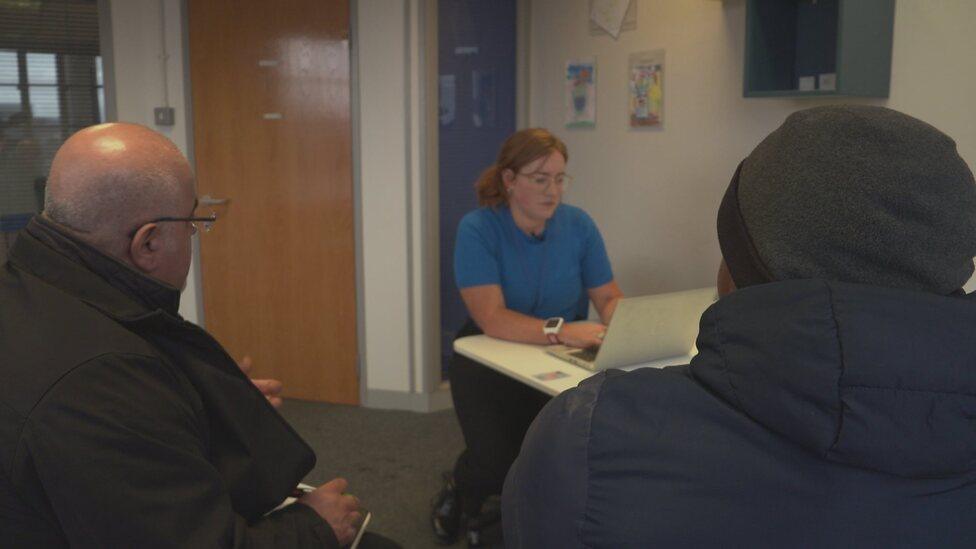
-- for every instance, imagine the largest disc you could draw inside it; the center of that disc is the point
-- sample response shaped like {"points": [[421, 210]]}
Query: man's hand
{"points": [[340, 510], [270, 388]]}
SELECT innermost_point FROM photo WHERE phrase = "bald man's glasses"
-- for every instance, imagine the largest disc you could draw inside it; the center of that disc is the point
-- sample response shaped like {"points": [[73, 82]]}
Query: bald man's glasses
{"points": [[206, 223]]}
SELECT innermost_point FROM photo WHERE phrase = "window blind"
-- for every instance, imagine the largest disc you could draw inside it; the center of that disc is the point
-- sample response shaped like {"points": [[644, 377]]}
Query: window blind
{"points": [[51, 85]]}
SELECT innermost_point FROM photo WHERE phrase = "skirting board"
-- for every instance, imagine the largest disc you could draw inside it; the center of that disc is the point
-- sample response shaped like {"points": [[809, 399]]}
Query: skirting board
{"points": [[414, 402]]}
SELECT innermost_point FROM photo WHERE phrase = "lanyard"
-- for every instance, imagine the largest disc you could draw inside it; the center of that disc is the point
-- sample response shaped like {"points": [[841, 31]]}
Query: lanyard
{"points": [[521, 253]]}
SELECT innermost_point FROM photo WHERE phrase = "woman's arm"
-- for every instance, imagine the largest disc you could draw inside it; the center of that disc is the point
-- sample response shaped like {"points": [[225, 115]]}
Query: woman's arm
{"points": [[486, 305], [605, 299]]}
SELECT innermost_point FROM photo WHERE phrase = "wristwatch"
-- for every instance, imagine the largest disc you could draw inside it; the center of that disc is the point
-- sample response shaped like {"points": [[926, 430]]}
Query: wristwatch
{"points": [[551, 329]]}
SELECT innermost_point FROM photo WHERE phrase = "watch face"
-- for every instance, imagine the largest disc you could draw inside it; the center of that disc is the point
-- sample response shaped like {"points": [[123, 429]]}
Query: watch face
{"points": [[551, 323]]}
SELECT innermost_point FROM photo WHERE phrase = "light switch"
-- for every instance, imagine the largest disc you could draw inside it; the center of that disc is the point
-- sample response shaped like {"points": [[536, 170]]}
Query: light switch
{"points": [[164, 116]]}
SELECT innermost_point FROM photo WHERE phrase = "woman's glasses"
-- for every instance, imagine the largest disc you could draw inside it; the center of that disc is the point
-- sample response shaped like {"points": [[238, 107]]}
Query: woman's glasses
{"points": [[543, 181]]}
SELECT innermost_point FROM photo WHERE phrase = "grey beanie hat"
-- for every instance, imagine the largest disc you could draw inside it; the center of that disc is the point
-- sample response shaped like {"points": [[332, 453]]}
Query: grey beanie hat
{"points": [[856, 194]]}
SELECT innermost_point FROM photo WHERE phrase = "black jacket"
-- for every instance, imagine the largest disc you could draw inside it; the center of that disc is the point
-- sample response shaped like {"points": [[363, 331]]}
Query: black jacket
{"points": [[816, 414], [122, 425]]}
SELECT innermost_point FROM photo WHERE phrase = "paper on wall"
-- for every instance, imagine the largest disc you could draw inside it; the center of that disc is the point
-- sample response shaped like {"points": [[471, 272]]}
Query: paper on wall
{"points": [[609, 14], [581, 93]]}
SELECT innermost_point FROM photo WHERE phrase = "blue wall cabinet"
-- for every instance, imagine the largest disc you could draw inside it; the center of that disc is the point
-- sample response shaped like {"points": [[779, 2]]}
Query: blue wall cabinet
{"points": [[818, 48]]}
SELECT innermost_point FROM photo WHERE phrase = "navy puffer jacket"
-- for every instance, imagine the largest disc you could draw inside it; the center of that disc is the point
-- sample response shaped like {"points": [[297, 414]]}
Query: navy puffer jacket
{"points": [[816, 414]]}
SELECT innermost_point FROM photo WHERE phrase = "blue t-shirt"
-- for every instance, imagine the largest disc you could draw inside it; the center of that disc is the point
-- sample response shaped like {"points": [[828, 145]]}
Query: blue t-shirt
{"points": [[540, 277]]}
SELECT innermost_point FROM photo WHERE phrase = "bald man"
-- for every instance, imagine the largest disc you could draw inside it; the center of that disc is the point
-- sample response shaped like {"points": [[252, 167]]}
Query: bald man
{"points": [[121, 424]]}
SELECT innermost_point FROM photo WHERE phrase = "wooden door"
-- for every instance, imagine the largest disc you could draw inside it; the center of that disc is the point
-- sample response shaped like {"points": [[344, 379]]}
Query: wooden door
{"points": [[272, 135]]}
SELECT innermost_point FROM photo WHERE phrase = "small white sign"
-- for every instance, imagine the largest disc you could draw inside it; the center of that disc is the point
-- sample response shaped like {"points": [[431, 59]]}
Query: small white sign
{"points": [[272, 116], [448, 100], [807, 83], [828, 81]]}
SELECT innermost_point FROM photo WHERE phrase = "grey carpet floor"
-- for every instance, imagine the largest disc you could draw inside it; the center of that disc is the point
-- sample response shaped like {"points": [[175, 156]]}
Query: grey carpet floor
{"points": [[393, 460]]}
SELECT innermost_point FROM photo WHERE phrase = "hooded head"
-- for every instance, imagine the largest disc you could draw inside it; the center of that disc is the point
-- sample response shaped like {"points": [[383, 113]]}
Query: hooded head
{"points": [[852, 193]]}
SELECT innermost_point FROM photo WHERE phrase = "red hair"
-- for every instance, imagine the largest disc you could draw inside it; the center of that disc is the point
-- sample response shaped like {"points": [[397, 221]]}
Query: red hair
{"points": [[521, 148]]}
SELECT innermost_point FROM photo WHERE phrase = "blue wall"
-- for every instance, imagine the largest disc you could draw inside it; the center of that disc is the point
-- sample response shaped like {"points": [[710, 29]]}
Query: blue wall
{"points": [[476, 64]]}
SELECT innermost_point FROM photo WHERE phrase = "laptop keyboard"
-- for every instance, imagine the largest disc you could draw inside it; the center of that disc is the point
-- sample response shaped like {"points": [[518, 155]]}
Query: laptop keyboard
{"points": [[588, 354]]}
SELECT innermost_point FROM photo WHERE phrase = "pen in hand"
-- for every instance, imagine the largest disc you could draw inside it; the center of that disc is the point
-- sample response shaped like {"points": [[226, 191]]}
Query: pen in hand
{"points": [[301, 490]]}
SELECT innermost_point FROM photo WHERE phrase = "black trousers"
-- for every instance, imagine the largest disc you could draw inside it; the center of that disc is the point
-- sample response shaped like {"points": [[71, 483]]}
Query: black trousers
{"points": [[494, 412]]}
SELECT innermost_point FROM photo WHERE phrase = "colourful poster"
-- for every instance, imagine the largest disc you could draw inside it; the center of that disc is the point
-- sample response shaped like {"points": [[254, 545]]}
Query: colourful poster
{"points": [[581, 93], [646, 89]]}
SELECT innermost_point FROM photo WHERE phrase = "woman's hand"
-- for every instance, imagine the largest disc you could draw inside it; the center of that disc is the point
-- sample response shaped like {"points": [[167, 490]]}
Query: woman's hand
{"points": [[605, 299], [582, 334]]}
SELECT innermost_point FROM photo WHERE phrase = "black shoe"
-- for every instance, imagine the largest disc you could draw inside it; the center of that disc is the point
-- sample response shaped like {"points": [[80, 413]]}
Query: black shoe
{"points": [[484, 528], [445, 517]]}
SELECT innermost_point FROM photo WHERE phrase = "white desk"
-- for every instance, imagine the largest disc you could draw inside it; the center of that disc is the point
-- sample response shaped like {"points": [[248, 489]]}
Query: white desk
{"points": [[531, 365]]}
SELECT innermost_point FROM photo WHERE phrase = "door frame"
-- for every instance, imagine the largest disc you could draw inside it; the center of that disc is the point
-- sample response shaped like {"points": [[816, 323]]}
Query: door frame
{"points": [[195, 270], [427, 391]]}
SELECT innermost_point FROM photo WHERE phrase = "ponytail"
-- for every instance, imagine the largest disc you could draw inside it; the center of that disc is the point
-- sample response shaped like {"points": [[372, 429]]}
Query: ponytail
{"points": [[490, 188]]}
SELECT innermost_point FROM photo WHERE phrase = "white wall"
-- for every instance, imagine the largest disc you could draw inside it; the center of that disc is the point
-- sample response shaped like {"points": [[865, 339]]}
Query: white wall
{"points": [[393, 192], [137, 46], [654, 193], [383, 174]]}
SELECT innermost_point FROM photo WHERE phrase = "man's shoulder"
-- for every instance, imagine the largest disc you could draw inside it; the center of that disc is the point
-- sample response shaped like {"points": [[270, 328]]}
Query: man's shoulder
{"points": [[584, 416], [632, 406], [547, 494], [613, 396], [612, 415], [34, 306], [46, 333], [624, 385]]}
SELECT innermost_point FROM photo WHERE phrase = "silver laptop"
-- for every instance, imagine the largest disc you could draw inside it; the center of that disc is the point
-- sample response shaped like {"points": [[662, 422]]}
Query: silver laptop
{"points": [[644, 329]]}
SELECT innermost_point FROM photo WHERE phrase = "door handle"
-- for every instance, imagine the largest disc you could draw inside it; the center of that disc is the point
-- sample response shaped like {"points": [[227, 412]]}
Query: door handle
{"points": [[207, 200]]}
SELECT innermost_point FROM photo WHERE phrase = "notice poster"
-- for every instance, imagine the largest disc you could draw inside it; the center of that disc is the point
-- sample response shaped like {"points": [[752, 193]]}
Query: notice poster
{"points": [[581, 93], [646, 96]]}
